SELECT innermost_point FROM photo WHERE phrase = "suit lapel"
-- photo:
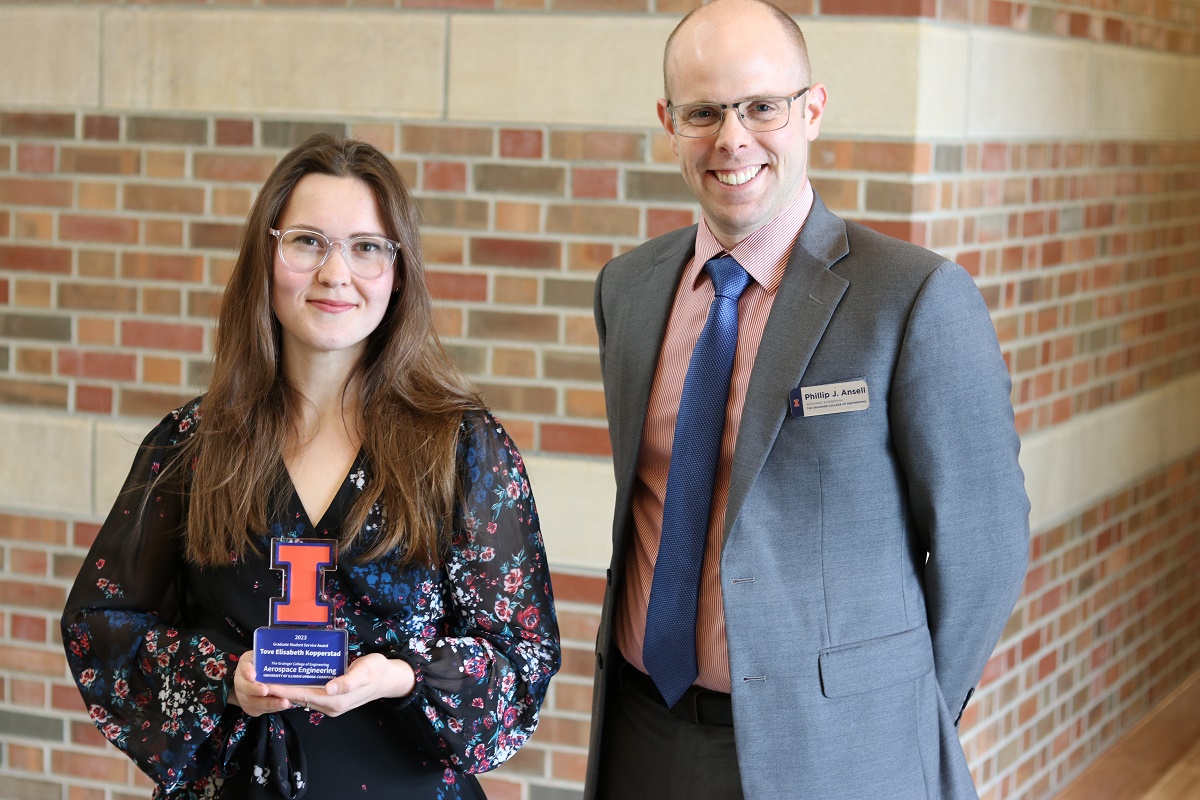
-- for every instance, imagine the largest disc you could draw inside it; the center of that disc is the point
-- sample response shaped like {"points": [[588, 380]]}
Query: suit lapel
{"points": [[804, 304], [642, 328]]}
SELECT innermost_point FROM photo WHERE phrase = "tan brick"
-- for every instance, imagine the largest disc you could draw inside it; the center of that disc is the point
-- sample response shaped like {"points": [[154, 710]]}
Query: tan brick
{"points": [[97, 297], [96, 331], [518, 217], [35, 192], [145, 403], [512, 362], [597, 146], [33, 529], [163, 232], [519, 398], [167, 130], [164, 199], [445, 140], [232, 168], [108, 768], [658, 185], [35, 225], [567, 292], [445, 212], [512, 326], [100, 160], [589, 256], [592, 220], [442, 248], [520, 179], [571, 366], [515, 290], [215, 235], [166, 371], [94, 196], [161, 302], [166, 164], [286, 135], [585, 404]]}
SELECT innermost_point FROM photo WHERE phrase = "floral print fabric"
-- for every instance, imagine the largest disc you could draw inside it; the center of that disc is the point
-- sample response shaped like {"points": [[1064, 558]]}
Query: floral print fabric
{"points": [[153, 640]]}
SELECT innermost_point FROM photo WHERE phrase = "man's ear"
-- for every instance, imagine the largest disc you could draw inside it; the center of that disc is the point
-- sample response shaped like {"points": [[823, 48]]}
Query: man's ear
{"points": [[664, 116], [814, 109]]}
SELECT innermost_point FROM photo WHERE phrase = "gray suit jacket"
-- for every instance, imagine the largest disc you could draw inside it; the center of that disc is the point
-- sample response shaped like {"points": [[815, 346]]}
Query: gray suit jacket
{"points": [[871, 558]]}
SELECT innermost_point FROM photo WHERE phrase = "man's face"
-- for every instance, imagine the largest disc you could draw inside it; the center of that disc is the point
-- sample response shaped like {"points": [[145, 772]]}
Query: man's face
{"points": [[742, 179]]}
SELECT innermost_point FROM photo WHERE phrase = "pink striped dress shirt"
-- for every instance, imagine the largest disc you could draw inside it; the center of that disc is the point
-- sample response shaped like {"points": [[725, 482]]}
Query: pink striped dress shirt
{"points": [[764, 254]]}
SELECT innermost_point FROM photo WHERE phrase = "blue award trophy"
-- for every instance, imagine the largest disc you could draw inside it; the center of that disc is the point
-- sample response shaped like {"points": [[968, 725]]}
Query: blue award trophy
{"points": [[301, 646]]}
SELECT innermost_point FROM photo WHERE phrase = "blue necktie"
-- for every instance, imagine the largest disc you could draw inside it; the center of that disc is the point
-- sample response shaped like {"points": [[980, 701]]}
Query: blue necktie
{"points": [[669, 649]]}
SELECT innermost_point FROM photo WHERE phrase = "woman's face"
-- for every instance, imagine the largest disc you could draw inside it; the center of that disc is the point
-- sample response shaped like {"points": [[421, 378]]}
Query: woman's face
{"points": [[330, 310]]}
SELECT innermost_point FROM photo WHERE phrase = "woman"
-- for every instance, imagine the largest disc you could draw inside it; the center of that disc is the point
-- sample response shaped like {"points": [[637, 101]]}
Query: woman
{"points": [[333, 413]]}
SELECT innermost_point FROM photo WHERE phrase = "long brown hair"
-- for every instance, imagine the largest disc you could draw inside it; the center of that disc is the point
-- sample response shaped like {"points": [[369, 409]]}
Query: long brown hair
{"points": [[411, 395]]}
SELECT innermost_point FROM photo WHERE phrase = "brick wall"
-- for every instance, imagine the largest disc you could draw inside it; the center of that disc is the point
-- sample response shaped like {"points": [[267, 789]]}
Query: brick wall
{"points": [[120, 213]]}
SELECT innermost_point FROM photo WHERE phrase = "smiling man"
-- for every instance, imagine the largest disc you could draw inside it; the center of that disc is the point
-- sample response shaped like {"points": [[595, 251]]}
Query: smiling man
{"points": [[821, 525]]}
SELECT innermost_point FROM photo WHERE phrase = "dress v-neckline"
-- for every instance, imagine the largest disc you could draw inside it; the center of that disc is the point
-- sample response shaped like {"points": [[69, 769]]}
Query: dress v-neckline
{"points": [[336, 505]]}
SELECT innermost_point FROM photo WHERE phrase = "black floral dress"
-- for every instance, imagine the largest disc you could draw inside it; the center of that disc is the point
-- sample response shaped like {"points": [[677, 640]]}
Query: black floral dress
{"points": [[153, 641]]}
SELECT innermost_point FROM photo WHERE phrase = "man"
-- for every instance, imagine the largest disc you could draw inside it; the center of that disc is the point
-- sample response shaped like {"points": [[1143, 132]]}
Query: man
{"points": [[821, 525]]}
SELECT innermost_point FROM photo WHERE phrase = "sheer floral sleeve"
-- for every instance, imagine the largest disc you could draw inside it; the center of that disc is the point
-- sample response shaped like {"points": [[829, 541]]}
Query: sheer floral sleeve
{"points": [[154, 690], [483, 675]]}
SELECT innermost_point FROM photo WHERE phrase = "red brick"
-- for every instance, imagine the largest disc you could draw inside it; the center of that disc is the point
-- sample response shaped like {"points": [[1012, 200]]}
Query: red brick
{"points": [[32, 595], [94, 399], [32, 529], [117, 230], [162, 267], [232, 168], [528, 253], [25, 192], [444, 176], [575, 439], [162, 336], [665, 220], [35, 259], [140, 403], [215, 235], [37, 126], [235, 133], [29, 629], [35, 157], [457, 286], [102, 366], [520, 143], [594, 183], [110, 769], [101, 127]]}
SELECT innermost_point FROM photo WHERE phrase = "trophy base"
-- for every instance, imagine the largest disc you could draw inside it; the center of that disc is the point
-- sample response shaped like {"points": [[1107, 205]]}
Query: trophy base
{"points": [[299, 656]]}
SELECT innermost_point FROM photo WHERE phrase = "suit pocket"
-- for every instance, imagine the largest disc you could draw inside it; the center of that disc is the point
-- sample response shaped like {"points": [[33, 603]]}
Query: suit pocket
{"points": [[875, 663]]}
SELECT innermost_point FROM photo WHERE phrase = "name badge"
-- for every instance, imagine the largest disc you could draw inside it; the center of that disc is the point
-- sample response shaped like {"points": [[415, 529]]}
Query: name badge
{"points": [[830, 398]]}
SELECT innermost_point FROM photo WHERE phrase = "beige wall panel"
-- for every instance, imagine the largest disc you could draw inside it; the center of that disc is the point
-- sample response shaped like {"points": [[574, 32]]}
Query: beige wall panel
{"points": [[47, 461], [116, 445], [942, 82], [50, 467], [1073, 465], [1145, 95], [874, 96], [1023, 86], [565, 69], [575, 498], [303, 62], [50, 57]]}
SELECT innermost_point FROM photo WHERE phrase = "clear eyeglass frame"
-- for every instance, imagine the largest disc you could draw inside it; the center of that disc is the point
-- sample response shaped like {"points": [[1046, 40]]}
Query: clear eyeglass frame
{"points": [[373, 265], [692, 131]]}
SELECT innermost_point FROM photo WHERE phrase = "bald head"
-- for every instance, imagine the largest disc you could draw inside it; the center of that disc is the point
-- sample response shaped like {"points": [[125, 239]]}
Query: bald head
{"points": [[711, 19]]}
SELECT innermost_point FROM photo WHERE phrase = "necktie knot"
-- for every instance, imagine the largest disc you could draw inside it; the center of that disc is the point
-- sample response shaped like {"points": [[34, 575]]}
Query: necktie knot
{"points": [[729, 278]]}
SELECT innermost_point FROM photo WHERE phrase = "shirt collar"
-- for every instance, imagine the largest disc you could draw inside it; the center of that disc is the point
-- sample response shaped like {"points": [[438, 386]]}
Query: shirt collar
{"points": [[764, 253]]}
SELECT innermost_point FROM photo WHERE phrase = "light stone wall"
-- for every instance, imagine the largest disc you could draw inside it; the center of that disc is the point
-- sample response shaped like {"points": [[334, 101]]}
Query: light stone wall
{"points": [[923, 80], [60, 466]]}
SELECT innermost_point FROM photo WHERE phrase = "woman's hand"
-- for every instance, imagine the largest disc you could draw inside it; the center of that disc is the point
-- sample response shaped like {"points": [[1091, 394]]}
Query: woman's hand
{"points": [[255, 698], [372, 677]]}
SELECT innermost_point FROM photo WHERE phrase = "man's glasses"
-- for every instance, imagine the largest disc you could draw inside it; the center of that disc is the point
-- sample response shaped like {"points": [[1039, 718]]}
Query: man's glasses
{"points": [[759, 114], [304, 251]]}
